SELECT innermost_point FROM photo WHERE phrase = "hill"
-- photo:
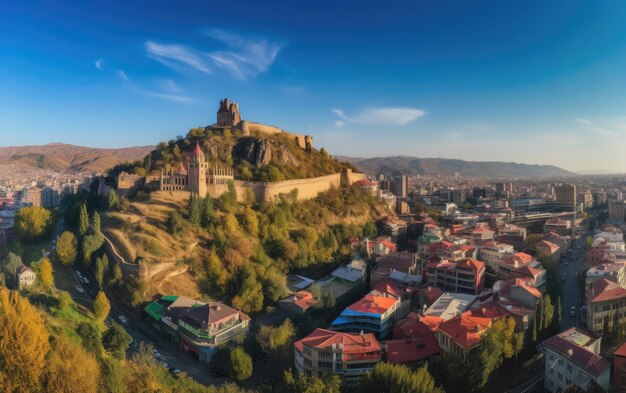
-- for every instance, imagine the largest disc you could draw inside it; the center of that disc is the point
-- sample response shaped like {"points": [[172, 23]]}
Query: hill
{"points": [[406, 165], [65, 157]]}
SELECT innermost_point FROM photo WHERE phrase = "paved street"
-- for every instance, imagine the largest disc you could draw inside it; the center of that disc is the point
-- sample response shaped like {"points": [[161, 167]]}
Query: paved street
{"points": [[571, 266]]}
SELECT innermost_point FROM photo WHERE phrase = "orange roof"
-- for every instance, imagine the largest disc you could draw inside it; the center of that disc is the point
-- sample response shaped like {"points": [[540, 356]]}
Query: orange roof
{"points": [[465, 329], [351, 343], [490, 310], [472, 263], [525, 258], [415, 325], [388, 286], [373, 304], [197, 151], [604, 290], [304, 299], [553, 247], [411, 350], [621, 351]]}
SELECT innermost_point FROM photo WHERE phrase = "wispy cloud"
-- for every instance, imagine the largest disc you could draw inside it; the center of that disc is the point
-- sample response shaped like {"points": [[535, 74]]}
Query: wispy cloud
{"points": [[99, 64], [122, 75], [176, 55], [241, 57], [167, 96], [602, 129], [379, 116]]}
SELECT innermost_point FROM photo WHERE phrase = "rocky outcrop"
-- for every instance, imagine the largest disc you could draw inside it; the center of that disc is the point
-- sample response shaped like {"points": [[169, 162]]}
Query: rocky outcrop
{"points": [[260, 152]]}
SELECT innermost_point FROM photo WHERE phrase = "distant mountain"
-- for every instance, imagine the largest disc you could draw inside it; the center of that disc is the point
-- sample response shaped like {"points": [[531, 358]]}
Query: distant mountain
{"points": [[596, 172], [406, 165], [64, 157]]}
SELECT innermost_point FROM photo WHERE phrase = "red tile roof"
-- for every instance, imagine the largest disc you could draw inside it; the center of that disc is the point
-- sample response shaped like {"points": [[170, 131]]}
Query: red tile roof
{"points": [[411, 349], [580, 356], [465, 329], [352, 343], [621, 351], [304, 299], [415, 325], [430, 293], [373, 304], [388, 286]]}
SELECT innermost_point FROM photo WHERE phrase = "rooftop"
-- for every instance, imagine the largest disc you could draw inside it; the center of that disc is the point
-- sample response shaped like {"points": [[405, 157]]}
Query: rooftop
{"points": [[572, 344], [450, 305], [346, 342]]}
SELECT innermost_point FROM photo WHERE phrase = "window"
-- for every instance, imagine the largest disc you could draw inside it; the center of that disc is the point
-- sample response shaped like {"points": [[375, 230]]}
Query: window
{"points": [[324, 354], [569, 368], [321, 364]]}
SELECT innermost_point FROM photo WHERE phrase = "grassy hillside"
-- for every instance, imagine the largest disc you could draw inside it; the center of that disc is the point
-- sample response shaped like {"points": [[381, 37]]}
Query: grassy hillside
{"points": [[237, 252], [64, 157]]}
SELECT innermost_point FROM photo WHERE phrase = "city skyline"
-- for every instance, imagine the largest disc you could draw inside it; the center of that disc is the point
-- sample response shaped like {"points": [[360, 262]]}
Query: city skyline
{"points": [[489, 81]]}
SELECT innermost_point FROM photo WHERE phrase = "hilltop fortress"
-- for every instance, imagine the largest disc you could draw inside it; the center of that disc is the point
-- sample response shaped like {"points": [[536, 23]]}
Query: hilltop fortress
{"points": [[197, 175]]}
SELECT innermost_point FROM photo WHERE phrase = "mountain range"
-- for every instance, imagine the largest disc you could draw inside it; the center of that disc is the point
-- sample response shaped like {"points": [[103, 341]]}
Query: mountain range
{"points": [[72, 158], [406, 165]]}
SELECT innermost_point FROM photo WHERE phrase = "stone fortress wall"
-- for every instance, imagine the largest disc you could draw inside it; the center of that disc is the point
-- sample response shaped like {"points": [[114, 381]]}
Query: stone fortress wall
{"points": [[268, 192], [250, 128]]}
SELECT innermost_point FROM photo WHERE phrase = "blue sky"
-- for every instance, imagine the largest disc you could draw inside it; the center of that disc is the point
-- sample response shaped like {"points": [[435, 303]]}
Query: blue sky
{"points": [[534, 82]]}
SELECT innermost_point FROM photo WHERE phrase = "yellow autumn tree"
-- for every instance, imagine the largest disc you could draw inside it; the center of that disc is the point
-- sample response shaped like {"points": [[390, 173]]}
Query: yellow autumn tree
{"points": [[45, 273], [23, 344], [101, 306], [71, 369]]}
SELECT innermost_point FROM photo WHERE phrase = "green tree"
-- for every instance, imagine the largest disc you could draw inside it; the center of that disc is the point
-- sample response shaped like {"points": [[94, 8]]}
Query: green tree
{"points": [[369, 230], [208, 211], [251, 222], [91, 243], [239, 364], [194, 210], [45, 273], [10, 265], [83, 220], [399, 378], [101, 307], [67, 248], [324, 153], [230, 224], [116, 275], [113, 201], [96, 223], [116, 340], [174, 223], [90, 337], [102, 267], [33, 222], [308, 384], [65, 300]]}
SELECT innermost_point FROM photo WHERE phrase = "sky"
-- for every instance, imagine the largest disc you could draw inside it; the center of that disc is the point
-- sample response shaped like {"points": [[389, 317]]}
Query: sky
{"points": [[515, 81]]}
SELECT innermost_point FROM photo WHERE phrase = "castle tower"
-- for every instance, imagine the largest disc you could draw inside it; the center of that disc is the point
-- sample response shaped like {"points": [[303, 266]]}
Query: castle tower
{"points": [[228, 115], [197, 167]]}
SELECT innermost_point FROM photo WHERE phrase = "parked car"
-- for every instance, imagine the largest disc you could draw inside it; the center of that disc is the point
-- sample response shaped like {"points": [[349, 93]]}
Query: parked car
{"points": [[123, 320], [164, 364], [79, 288], [85, 280], [156, 354], [174, 371]]}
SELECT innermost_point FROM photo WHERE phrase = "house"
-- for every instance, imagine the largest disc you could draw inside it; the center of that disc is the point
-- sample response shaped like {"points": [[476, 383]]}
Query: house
{"points": [[373, 314], [458, 335], [562, 227], [467, 276], [513, 235], [354, 271], [546, 248], [402, 261], [350, 356], [449, 305], [382, 246], [606, 302], [479, 234], [25, 277], [572, 358], [612, 271], [299, 303], [203, 328], [619, 369], [414, 340]]}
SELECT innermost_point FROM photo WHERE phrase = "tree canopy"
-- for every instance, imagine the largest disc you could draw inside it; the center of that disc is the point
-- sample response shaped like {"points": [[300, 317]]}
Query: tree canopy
{"points": [[67, 248], [33, 222]]}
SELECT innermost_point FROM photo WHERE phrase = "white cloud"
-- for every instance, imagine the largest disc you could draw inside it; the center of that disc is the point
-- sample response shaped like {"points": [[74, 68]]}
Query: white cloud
{"points": [[241, 57], [167, 96], [99, 64], [601, 129], [340, 123], [381, 115], [122, 75], [175, 55]]}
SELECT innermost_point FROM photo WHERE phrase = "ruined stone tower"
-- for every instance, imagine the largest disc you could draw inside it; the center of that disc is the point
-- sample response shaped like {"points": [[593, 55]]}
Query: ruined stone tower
{"points": [[197, 167], [228, 115]]}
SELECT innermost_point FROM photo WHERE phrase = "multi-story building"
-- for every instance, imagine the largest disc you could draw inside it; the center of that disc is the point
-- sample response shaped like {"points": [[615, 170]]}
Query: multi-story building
{"points": [[557, 225], [196, 327], [373, 314], [513, 235], [619, 369], [546, 248], [617, 210], [467, 276], [457, 336], [615, 271], [565, 195], [572, 358], [606, 303], [350, 356], [494, 253]]}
